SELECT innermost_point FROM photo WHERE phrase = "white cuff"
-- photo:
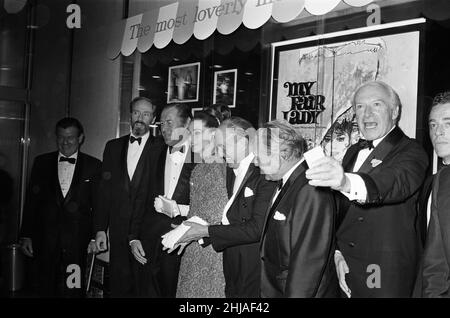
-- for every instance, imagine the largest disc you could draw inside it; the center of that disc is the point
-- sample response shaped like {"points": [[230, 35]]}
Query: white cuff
{"points": [[200, 241], [132, 242], [358, 190], [184, 209]]}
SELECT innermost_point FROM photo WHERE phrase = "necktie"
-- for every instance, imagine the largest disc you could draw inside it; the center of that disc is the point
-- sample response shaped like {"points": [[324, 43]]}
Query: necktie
{"points": [[363, 144], [175, 149], [133, 139], [69, 160]]}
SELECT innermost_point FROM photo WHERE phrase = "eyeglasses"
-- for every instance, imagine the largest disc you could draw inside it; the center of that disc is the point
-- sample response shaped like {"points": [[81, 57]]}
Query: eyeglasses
{"points": [[138, 113]]}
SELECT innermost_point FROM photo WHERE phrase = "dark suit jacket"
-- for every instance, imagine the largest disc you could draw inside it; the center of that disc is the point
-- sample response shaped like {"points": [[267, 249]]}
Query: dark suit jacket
{"points": [[436, 259], [239, 240], [383, 230], [298, 253], [119, 199], [159, 277], [60, 228]]}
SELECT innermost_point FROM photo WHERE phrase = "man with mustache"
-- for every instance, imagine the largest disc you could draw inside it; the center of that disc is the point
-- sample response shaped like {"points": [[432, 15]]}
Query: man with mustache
{"points": [[122, 193], [377, 185]]}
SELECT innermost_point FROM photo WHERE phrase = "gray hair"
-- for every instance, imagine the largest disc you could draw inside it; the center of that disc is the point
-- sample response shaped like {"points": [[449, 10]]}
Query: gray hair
{"points": [[286, 134], [240, 126], [394, 99]]}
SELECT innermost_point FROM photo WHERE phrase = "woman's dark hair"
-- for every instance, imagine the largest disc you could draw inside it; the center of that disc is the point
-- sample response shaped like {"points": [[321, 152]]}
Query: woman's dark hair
{"points": [[69, 122], [208, 120], [221, 111]]}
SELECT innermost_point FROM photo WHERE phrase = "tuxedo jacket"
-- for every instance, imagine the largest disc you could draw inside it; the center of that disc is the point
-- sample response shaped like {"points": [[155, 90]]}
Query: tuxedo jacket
{"points": [[383, 230], [436, 259], [60, 227], [119, 199], [239, 240], [297, 245], [150, 225], [159, 276]]}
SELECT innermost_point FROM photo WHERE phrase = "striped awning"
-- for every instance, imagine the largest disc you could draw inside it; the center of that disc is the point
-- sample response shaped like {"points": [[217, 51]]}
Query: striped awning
{"points": [[182, 19]]}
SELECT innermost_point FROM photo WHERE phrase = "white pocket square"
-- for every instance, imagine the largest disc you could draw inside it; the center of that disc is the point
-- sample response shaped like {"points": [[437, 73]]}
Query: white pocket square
{"points": [[375, 162], [248, 192], [279, 216]]}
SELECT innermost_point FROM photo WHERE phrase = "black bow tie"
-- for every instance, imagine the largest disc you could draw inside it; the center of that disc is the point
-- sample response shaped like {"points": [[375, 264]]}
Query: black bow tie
{"points": [[363, 144], [133, 139], [175, 149], [69, 160], [280, 184]]}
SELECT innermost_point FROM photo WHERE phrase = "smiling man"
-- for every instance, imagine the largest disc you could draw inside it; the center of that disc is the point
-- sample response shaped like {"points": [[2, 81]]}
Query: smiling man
{"points": [[57, 221], [377, 188]]}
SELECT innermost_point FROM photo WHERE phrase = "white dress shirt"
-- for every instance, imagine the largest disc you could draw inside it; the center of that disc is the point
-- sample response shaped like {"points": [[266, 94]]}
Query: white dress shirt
{"points": [[65, 173], [134, 153], [240, 173], [358, 189], [172, 171], [286, 177]]}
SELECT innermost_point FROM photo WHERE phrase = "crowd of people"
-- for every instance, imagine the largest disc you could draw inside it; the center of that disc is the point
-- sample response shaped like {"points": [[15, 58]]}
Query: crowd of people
{"points": [[247, 215]]}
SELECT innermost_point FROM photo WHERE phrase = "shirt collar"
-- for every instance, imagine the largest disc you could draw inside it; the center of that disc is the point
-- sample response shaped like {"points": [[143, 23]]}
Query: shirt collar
{"points": [[180, 144], [75, 155], [244, 164], [288, 174], [376, 142]]}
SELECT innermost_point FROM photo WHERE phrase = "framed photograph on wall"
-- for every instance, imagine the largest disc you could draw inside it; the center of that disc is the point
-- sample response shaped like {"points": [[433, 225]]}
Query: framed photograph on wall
{"points": [[313, 80], [183, 84], [225, 85]]}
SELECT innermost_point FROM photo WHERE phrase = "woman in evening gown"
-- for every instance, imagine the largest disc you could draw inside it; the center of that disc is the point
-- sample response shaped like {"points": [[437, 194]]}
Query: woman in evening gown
{"points": [[201, 270]]}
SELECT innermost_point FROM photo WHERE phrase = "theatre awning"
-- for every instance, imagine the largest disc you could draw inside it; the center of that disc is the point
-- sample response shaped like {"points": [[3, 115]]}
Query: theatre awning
{"points": [[182, 19]]}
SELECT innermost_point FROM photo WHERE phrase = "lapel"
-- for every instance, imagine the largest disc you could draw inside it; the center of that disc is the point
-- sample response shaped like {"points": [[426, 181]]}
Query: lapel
{"points": [[230, 181], [185, 174], [350, 158], [76, 178], [382, 150], [123, 163], [137, 176], [55, 180], [160, 169], [248, 174], [299, 172]]}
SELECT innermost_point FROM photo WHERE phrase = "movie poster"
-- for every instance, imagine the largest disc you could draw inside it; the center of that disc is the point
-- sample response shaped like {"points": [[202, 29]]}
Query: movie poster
{"points": [[314, 86]]}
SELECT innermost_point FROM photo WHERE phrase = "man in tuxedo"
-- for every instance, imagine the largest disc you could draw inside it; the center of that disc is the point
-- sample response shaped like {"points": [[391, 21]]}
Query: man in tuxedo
{"points": [[436, 259], [243, 216], [377, 186], [57, 221], [297, 244], [172, 163], [122, 193]]}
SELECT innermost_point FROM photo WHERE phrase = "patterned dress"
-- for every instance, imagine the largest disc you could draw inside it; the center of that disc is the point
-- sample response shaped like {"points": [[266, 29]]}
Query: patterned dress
{"points": [[201, 270]]}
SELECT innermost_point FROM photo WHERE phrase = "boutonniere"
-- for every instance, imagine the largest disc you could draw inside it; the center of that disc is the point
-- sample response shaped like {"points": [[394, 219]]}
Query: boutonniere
{"points": [[248, 192], [375, 162], [279, 216]]}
